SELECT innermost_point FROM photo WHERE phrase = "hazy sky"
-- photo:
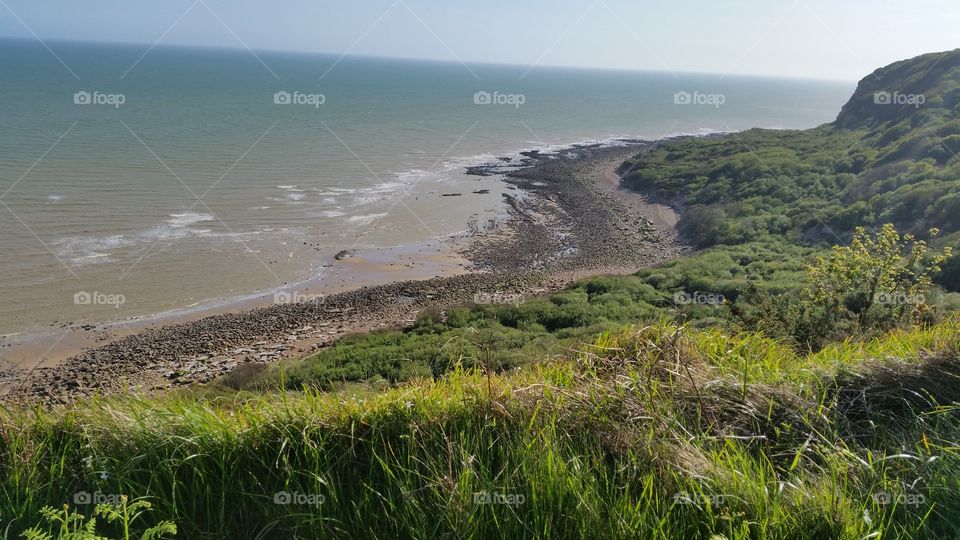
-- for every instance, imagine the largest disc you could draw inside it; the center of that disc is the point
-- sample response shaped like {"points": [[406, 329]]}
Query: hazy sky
{"points": [[839, 39]]}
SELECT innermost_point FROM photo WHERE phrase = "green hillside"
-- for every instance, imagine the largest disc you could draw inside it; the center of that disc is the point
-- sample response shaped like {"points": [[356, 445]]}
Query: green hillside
{"points": [[651, 431], [879, 162]]}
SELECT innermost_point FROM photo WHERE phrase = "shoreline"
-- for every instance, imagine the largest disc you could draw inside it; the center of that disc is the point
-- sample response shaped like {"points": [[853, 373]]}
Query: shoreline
{"points": [[23, 345], [567, 218], [371, 266]]}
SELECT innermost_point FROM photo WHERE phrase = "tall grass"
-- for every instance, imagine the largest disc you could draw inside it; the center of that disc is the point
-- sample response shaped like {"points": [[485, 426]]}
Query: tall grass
{"points": [[653, 432]]}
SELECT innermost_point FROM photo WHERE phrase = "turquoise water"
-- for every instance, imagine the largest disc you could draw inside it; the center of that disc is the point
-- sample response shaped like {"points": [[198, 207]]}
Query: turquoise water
{"points": [[174, 175]]}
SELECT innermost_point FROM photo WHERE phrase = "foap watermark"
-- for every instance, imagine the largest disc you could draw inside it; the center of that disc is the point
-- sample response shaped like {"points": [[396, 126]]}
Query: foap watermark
{"points": [[885, 498], [96, 298], [496, 98], [81, 498], [697, 98], [884, 97], [898, 299], [297, 297], [509, 499], [297, 498], [699, 298], [497, 298], [297, 98], [685, 498], [83, 97]]}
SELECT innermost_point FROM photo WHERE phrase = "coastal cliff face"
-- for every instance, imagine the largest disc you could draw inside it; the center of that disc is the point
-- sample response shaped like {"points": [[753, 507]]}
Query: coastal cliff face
{"points": [[921, 90]]}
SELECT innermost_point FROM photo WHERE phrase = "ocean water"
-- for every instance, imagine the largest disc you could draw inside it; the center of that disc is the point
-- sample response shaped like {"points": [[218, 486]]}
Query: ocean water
{"points": [[172, 176]]}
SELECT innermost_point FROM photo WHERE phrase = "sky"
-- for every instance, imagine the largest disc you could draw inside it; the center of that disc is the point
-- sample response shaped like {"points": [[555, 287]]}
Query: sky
{"points": [[826, 39]]}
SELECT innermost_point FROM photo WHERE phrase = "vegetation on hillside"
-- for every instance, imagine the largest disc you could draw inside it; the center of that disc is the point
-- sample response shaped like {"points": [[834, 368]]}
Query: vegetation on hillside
{"points": [[787, 292], [880, 162], [766, 386], [657, 431]]}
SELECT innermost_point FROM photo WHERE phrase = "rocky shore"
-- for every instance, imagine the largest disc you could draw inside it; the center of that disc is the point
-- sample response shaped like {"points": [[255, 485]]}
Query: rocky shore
{"points": [[564, 222]]}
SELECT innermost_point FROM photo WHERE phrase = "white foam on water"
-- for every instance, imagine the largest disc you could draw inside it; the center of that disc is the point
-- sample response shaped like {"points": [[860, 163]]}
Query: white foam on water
{"points": [[92, 258], [185, 220], [386, 187], [237, 236], [82, 250], [367, 218]]}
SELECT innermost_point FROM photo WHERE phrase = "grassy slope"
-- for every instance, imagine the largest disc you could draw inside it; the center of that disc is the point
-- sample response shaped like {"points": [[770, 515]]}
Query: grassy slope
{"points": [[653, 431], [508, 336], [803, 186]]}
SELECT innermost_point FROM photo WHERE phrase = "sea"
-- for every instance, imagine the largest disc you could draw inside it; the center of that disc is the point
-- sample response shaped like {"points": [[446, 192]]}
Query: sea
{"points": [[139, 179]]}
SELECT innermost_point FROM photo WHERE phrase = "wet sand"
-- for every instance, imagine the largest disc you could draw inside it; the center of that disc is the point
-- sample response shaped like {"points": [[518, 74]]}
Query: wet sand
{"points": [[22, 355]]}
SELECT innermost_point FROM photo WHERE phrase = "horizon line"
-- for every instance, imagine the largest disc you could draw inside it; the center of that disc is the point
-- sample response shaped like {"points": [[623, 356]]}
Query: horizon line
{"points": [[420, 59]]}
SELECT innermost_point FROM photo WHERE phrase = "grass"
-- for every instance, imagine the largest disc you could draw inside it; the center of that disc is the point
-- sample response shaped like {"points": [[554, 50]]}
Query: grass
{"points": [[511, 335], [658, 431]]}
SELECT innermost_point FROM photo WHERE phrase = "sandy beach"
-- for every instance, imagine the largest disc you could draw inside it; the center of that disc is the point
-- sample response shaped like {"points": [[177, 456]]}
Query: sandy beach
{"points": [[568, 218]]}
